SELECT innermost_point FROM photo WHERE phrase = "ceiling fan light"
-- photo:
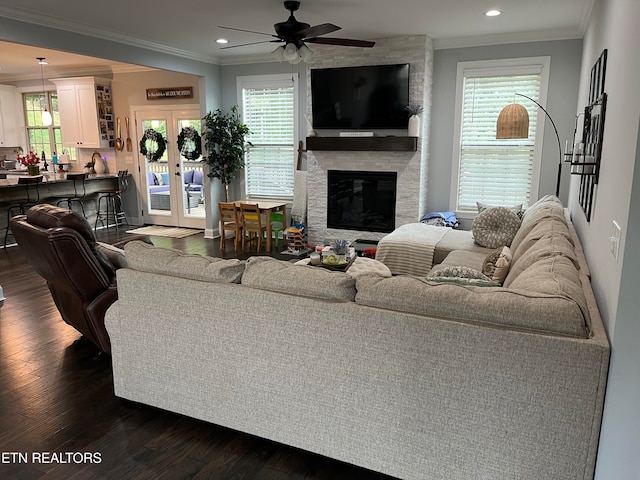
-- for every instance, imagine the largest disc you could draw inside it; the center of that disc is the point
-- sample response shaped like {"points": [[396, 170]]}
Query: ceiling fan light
{"points": [[279, 53], [305, 53], [290, 52], [46, 118]]}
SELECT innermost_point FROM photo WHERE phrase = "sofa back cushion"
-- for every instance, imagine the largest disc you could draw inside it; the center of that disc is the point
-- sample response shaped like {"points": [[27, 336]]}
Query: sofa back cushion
{"points": [[547, 207], [267, 273], [166, 261], [523, 308], [542, 245]]}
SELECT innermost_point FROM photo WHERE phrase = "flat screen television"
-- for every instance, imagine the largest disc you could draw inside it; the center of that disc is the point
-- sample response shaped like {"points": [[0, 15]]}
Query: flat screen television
{"points": [[360, 98]]}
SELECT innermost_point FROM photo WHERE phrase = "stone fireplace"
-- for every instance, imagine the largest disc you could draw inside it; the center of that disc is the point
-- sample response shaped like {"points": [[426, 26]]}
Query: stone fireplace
{"points": [[410, 167]]}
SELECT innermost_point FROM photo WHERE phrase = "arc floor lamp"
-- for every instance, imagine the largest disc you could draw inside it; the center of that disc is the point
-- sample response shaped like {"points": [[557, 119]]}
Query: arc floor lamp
{"points": [[513, 122]]}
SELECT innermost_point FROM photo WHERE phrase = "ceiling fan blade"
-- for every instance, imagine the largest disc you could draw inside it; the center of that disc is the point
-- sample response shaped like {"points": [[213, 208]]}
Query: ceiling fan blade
{"points": [[318, 30], [252, 43], [247, 31], [346, 42]]}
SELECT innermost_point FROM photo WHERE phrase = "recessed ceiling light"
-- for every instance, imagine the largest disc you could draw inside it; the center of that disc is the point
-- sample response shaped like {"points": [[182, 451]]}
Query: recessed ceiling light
{"points": [[493, 13], [222, 40]]}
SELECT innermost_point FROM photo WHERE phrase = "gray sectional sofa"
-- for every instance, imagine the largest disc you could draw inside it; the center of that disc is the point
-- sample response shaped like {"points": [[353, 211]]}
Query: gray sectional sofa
{"points": [[405, 376]]}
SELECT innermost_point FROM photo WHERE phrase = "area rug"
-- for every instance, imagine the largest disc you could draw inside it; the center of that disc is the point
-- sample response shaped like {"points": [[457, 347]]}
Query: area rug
{"points": [[160, 231]]}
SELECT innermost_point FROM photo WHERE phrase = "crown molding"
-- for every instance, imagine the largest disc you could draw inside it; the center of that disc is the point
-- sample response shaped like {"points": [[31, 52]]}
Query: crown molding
{"points": [[248, 59], [505, 38], [585, 14], [29, 16]]}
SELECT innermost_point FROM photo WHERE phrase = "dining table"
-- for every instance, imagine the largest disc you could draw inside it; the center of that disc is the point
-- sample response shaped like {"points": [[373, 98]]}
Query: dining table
{"points": [[267, 208]]}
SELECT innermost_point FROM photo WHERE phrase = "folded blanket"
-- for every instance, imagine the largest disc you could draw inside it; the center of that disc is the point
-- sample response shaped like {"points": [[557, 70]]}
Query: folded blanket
{"points": [[408, 250]]}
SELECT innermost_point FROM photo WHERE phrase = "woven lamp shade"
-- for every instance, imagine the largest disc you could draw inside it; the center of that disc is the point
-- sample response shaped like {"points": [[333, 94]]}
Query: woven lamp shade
{"points": [[513, 122]]}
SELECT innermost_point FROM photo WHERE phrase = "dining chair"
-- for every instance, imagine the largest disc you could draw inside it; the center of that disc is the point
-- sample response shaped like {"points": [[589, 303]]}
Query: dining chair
{"points": [[252, 227], [230, 221], [277, 224]]}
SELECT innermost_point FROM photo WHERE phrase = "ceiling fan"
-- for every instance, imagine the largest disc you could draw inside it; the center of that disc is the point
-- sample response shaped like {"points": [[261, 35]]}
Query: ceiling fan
{"points": [[295, 35]]}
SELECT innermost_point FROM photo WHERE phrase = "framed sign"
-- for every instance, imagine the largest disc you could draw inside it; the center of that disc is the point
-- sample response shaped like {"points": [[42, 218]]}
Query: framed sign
{"points": [[169, 93]]}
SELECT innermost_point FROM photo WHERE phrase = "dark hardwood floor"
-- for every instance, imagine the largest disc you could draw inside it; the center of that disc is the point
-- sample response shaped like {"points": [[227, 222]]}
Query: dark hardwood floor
{"points": [[56, 396]]}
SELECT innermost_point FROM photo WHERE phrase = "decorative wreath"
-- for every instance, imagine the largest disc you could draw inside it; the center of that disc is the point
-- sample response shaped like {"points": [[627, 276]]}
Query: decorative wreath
{"points": [[190, 143], [153, 137]]}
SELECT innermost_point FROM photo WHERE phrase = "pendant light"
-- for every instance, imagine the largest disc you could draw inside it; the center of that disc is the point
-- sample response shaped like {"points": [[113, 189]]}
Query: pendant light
{"points": [[46, 115]]}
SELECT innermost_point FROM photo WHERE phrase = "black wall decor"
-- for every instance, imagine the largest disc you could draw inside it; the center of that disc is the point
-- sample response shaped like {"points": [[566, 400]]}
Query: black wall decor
{"points": [[587, 160]]}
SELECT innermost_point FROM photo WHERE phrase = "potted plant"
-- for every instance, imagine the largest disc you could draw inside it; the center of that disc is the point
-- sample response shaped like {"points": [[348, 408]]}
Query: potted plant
{"points": [[414, 110], [224, 138], [31, 161], [340, 248]]}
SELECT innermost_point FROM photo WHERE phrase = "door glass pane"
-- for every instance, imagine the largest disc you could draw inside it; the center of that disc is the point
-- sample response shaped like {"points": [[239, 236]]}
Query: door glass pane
{"points": [[191, 168], [157, 171]]}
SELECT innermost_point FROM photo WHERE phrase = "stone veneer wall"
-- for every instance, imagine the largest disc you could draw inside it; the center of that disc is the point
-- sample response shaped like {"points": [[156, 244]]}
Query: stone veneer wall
{"points": [[410, 166]]}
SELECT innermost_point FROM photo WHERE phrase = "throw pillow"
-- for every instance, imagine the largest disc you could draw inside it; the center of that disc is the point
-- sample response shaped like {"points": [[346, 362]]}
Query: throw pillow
{"points": [[496, 265], [495, 227], [517, 209], [462, 275]]}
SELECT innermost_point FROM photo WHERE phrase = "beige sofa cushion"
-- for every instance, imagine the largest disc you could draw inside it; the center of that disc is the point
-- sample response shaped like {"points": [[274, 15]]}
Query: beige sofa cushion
{"points": [[538, 212], [514, 307], [556, 276], [456, 240], [545, 227], [550, 245], [267, 273], [166, 261], [461, 257]]}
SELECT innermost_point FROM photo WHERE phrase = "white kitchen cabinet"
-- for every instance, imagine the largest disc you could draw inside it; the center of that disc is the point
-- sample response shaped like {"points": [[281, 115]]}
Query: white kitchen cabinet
{"points": [[11, 118], [86, 116]]}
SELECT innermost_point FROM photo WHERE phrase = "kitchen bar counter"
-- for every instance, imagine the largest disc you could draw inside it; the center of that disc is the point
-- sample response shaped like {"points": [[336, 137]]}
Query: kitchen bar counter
{"points": [[53, 187]]}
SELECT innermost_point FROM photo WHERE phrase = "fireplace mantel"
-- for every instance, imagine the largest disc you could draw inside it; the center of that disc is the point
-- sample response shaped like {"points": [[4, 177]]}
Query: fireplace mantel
{"points": [[372, 144]]}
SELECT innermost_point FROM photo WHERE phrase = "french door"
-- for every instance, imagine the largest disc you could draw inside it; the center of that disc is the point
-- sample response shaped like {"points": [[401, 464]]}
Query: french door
{"points": [[171, 186]]}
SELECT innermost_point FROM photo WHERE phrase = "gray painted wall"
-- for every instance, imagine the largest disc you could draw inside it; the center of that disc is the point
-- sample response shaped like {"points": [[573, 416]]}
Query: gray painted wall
{"points": [[561, 104], [613, 25]]}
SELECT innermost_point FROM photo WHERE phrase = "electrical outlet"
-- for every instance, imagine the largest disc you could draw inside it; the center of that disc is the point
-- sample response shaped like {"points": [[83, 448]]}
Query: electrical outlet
{"points": [[614, 239], [128, 160]]}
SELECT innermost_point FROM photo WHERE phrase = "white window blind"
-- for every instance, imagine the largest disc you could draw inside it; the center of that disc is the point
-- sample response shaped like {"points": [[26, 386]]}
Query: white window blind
{"points": [[497, 172], [269, 112]]}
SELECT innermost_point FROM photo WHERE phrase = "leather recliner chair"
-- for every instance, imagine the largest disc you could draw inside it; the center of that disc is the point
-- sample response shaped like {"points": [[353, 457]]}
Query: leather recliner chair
{"points": [[61, 247]]}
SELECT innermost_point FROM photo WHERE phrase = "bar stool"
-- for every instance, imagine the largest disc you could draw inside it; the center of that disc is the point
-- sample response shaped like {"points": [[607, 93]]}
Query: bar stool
{"points": [[32, 197], [114, 207], [79, 191]]}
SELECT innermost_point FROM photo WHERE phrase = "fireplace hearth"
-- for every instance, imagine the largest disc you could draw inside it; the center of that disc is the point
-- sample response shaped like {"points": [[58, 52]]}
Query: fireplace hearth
{"points": [[362, 201]]}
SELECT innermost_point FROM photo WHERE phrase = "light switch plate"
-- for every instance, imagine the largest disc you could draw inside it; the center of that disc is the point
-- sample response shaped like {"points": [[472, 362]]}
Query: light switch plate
{"points": [[614, 239]]}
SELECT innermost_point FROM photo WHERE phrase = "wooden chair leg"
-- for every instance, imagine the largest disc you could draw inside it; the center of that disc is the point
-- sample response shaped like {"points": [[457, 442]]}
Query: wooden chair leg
{"points": [[222, 240]]}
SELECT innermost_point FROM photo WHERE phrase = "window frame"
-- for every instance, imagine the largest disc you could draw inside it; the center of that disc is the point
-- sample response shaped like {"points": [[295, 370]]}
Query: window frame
{"points": [[495, 68], [51, 128], [265, 81]]}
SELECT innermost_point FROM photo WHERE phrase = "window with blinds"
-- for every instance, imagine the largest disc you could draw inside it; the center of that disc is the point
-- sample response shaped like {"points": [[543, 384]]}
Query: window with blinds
{"points": [[47, 139], [269, 110], [496, 172]]}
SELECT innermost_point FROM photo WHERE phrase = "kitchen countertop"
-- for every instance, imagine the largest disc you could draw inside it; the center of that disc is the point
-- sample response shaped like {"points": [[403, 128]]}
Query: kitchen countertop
{"points": [[48, 177]]}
